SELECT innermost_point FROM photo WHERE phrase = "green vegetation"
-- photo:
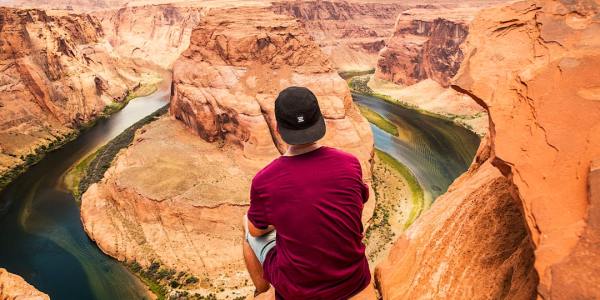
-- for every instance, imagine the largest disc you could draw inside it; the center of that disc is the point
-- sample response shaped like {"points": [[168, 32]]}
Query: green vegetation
{"points": [[380, 224], [379, 120], [140, 90], [160, 280], [94, 171], [359, 85], [77, 172], [349, 74], [149, 86], [418, 196], [33, 158], [148, 277]]}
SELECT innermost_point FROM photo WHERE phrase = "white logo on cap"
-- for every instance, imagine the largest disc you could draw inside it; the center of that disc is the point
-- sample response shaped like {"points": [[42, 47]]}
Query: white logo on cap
{"points": [[300, 119]]}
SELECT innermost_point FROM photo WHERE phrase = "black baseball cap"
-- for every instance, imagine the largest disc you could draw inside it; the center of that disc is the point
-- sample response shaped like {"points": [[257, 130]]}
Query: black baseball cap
{"points": [[299, 118]]}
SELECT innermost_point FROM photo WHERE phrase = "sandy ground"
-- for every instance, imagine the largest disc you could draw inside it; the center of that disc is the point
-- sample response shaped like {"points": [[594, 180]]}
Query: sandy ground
{"points": [[392, 209]]}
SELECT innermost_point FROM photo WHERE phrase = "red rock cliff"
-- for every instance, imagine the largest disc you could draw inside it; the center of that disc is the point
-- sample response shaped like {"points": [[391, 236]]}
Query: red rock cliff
{"points": [[225, 84], [421, 49], [426, 42], [177, 194], [350, 33], [533, 65], [13, 287], [57, 73], [150, 33]]}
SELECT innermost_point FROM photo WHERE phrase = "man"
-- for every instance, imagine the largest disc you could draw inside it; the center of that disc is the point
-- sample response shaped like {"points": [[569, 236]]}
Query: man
{"points": [[313, 195]]}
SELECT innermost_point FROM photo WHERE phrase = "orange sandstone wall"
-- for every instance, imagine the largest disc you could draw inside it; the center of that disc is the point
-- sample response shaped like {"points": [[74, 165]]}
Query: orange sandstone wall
{"points": [[58, 72], [533, 65], [13, 287]]}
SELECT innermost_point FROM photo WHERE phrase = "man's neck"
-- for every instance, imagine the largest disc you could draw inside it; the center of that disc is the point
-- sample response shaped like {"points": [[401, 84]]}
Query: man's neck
{"points": [[301, 149]]}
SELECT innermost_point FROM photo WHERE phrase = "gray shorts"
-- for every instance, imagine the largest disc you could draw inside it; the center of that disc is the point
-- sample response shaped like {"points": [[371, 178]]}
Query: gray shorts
{"points": [[261, 245]]}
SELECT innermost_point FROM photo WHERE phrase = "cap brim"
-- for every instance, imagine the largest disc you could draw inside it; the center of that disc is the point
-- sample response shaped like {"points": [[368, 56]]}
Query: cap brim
{"points": [[303, 136]]}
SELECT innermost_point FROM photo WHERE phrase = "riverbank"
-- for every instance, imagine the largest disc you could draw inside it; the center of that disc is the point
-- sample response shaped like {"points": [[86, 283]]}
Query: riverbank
{"points": [[346, 75], [147, 85], [378, 120], [91, 169], [41, 219], [77, 175], [398, 202], [417, 195], [426, 97]]}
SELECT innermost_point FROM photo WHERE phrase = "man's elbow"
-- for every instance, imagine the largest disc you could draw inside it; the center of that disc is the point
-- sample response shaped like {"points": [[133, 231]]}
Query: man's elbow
{"points": [[256, 232]]}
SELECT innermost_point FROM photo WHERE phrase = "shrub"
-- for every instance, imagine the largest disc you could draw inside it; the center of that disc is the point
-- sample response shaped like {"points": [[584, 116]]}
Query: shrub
{"points": [[191, 280], [135, 267], [174, 284]]}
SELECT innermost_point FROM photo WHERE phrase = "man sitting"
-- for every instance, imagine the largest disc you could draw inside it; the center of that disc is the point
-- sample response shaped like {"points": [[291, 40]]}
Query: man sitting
{"points": [[313, 196]]}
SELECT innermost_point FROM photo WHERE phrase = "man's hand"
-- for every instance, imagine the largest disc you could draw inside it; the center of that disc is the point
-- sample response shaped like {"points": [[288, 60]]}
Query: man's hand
{"points": [[256, 232]]}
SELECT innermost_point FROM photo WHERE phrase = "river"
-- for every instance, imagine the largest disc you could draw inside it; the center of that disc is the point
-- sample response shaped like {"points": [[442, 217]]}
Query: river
{"points": [[42, 239], [436, 151], [41, 236]]}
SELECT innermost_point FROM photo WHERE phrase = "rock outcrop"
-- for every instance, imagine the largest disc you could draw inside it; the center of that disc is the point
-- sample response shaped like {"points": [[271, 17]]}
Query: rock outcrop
{"points": [[58, 73], [226, 82], [421, 49], [13, 287], [421, 57], [150, 33], [426, 43], [351, 33], [533, 65], [177, 195]]}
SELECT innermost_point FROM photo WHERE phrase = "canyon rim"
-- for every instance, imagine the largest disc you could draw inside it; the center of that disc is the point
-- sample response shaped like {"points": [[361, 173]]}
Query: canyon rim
{"points": [[520, 223]]}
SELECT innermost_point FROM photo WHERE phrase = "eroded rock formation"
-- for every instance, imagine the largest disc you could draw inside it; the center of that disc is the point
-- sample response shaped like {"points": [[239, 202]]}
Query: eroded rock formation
{"points": [[426, 43], [421, 57], [150, 33], [226, 82], [58, 73], [351, 33], [421, 49], [177, 194], [13, 287], [533, 65]]}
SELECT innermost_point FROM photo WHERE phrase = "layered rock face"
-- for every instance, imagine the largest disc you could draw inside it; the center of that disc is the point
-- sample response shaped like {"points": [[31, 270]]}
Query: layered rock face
{"points": [[13, 287], [533, 65], [150, 33], [178, 193], [422, 49], [225, 84], [421, 57], [426, 43], [57, 74], [471, 244], [350, 33], [64, 4]]}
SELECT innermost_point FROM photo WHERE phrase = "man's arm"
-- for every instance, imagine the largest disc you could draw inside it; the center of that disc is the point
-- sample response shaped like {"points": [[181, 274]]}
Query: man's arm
{"points": [[256, 232]]}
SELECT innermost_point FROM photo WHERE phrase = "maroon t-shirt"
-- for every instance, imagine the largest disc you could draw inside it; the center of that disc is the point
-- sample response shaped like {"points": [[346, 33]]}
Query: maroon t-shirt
{"points": [[315, 201]]}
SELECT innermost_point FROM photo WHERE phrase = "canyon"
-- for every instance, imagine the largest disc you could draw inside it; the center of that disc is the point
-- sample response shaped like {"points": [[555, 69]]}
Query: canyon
{"points": [[221, 119], [524, 217], [350, 33], [521, 223], [154, 34], [58, 74], [421, 57]]}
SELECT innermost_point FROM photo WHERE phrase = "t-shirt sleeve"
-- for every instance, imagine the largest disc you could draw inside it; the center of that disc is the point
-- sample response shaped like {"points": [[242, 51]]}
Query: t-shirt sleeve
{"points": [[257, 213], [364, 188], [365, 192]]}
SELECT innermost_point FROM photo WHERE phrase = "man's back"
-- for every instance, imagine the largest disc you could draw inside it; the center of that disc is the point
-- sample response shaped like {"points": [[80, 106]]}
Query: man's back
{"points": [[315, 202]]}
